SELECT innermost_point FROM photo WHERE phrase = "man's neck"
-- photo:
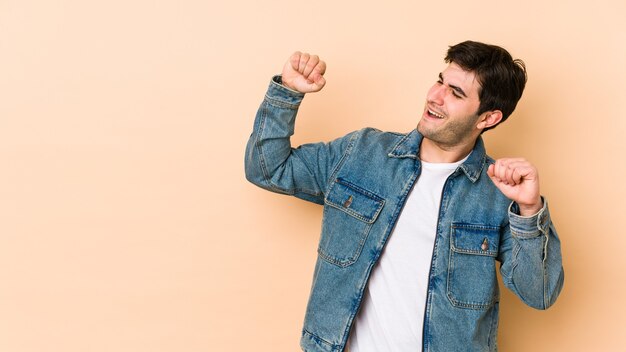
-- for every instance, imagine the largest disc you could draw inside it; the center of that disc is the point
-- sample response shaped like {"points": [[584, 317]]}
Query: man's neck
{"points": [[432, 152]]}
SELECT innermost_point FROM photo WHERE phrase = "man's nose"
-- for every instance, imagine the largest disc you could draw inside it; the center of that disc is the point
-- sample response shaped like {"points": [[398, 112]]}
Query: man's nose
{"points": [[437, 93]]}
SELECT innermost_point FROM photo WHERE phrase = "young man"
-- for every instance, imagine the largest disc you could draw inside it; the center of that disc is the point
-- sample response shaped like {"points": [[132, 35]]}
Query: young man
{"points": [[414, 223]]}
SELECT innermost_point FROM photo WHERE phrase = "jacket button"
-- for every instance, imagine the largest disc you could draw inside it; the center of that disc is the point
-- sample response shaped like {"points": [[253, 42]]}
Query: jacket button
{"points": [[347, 203], [485, 245]]}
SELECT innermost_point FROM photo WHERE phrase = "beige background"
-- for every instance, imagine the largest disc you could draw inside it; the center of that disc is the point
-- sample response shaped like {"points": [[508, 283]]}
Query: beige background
{"points": [[126, 223]]}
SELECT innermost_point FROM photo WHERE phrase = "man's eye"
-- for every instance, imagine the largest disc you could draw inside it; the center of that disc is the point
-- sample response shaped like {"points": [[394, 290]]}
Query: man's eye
{"points": [[456, 95]]}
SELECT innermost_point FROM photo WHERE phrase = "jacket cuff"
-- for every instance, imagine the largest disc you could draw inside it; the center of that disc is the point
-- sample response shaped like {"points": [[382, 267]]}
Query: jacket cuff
{"points": [[279, 94], [529, 226]]}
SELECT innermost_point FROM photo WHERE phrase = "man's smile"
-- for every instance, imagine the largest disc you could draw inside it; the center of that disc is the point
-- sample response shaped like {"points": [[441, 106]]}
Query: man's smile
{"points": [[434, 114]]}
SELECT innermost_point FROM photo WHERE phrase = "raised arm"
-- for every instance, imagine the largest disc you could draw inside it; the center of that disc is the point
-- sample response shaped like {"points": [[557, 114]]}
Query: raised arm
{"points": [[270, 161]]}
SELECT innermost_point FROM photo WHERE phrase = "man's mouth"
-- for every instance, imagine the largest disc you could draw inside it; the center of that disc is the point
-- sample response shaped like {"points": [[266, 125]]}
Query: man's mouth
{"points": [[434, 114]]}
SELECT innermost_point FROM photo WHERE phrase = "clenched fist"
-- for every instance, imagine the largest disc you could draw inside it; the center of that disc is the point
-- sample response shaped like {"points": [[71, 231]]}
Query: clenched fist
{"points": [[518, 180], [304, 73]]}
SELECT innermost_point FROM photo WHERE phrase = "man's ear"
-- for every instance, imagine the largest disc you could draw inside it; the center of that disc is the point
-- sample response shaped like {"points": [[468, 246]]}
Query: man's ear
{"points": [[489, 119]]}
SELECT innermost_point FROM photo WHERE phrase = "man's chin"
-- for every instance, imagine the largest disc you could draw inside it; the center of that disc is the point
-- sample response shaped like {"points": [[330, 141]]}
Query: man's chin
{"points": [[423, 130]]}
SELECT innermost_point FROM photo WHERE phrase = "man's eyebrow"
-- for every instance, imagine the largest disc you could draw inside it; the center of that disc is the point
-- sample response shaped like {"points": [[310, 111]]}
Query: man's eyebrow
{"points": [[456, 88]]}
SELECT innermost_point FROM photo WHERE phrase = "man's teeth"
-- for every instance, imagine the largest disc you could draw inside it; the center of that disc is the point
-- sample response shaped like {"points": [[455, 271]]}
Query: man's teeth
{"points": [[435, 114]]}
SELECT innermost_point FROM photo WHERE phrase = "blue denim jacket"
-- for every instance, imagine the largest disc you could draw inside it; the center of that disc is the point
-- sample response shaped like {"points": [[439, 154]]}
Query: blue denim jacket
{"points": [[363, 180]]}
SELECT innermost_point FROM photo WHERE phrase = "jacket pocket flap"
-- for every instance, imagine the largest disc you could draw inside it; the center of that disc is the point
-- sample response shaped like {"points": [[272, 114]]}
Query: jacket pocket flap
{"points": [[475, 239], [354, 200]]}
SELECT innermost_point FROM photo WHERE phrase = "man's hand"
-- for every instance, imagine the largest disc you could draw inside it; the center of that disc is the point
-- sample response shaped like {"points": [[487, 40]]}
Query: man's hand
{"points": [[304, 73], [518, 180]]}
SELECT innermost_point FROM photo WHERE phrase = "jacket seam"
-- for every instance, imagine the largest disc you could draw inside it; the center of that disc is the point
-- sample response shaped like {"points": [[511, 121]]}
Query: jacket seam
{"points": [[319, 339], [346, 263], [262, 162], [280, 103], [257, 145], [344, 156]]}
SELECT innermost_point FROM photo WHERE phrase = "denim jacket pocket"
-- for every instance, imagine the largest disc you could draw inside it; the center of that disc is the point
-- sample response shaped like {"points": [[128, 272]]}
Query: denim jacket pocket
{"points": [[472, 279], [349, 213]]}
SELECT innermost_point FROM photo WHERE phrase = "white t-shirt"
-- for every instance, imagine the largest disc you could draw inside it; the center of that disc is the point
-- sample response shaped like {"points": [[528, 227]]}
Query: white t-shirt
{"points": [[392, 312]]}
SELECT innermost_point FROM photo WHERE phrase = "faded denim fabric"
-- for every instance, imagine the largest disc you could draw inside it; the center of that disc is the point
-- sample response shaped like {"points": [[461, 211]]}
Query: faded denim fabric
{"points": [[363, 180]]}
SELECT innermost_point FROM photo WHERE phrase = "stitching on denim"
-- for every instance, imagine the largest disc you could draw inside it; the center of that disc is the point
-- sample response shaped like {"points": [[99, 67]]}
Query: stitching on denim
{"points": [[472, 305], [395, 147], [354, 213], [555, 293], [295, 190], [493, 331], [474, 175], [491, 254], [262, 159], [525, 235], [281, 104], [263, 163], [544, 272], [344, 157], [393, 152], [315, 193], [358, 190], [459, 226], [459, 304], [516, 249], [318, 339], [351, 260], [361, 191], [475, 226], [257, 144], [321, 253], [453, 249]]}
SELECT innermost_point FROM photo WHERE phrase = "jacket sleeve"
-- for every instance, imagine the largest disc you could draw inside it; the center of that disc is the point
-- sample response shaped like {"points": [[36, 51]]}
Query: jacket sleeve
{"points": [[531, 258], [270, 161]]}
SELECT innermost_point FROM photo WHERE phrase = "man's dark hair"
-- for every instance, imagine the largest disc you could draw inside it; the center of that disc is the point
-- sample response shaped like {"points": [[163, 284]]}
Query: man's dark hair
{"points": [[501, 78]]}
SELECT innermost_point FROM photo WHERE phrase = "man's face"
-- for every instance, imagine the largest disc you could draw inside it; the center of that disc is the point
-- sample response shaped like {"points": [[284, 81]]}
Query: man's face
{"points": [[449, 117]]}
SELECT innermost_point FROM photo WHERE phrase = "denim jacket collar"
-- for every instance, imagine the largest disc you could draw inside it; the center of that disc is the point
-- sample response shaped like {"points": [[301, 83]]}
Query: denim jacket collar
{"points": [[408, 147]]}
